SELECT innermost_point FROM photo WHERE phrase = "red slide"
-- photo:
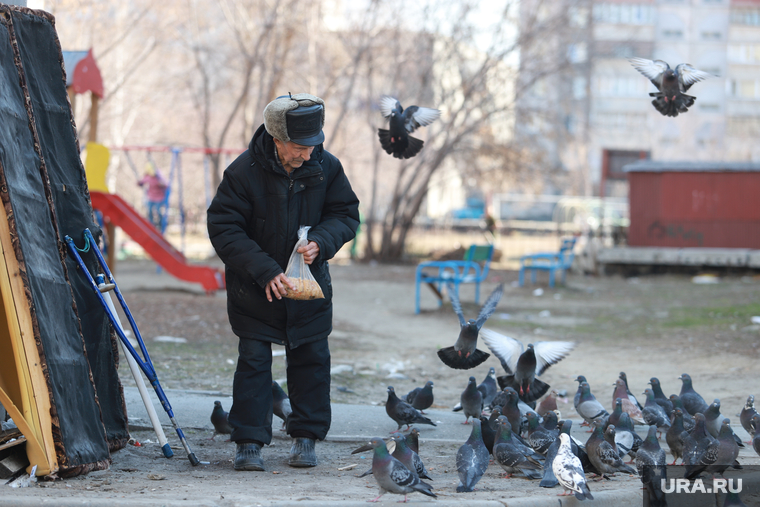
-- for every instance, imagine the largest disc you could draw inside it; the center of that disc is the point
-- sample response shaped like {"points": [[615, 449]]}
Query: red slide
{"points": [[139, 229]]}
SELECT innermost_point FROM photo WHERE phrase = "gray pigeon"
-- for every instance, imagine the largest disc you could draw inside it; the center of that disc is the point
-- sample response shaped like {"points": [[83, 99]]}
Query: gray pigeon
{"points": [[672, 85], [688, 419], [674, 435], [539, 438], [219, 418], [421, 397], [392, 476], [713, 419], [626, 405], [626, 438], [510, 456], [511, 410], [471, 400], [472, 459], [756, 438], [603, 454], [550, 421], [746, 415], [488, 429], [631, 397], [588, 407], [413, 440], [719, 454], [549, 480], [577, 398], [651, 465], [653, 413], [695, 443], [659, 396], [488, 387], [464, 354], [568, 470], [396, 140], [280, 403], [402, 412], [691, 399], [523, 366], [408, 457]]}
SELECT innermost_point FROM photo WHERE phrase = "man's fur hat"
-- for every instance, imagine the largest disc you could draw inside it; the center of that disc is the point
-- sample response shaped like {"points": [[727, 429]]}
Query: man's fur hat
{"points": [[296, 118]]}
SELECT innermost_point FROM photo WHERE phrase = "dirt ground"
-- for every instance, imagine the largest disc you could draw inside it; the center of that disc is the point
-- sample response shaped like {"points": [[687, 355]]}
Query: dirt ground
{"points": [[654, 326]]}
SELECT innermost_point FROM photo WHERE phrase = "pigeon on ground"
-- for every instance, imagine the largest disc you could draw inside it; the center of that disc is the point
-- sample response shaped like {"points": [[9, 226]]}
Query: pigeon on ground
{"points": [[691, 399], [550, 421], [488, 387], [549, 403], [577, 398], [626, 405], [472, 459], [631, 397], [402, 412], [511, 456], [720, 454], [523, 366], [746, 415], [588, 407], [756, 438], [408, 457], [650, 463], [660, 398], [511, 410], [569, 472], [695, 443], [604, 455], [219, 420], [413, 440], [653, 413], [713, 420], [549, 480], [688, 419], [672, 85], [280, 403], [396, 140], [464, 354], [626, 438], [421, 397], [488, 429], [674, 435], [733, 500], [471, 400], [539, 438], [392, 476]]}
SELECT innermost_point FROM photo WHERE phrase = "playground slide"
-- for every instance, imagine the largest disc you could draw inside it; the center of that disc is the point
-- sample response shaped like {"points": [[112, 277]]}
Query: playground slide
{"points": [[140, 230]]}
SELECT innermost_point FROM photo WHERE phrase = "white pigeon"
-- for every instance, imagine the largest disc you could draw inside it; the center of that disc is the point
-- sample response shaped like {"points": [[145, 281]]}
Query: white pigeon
{"points": [[568, 470]]}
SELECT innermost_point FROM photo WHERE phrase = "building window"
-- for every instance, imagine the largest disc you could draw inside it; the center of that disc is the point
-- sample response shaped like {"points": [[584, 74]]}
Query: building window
{"points": [[619, 121], [744, 53], [617, 86], [743, 126], [672, 34], [577, 53], [745, 17], [712, 35], [627, 14], [709, 108], [744, 88], [579, 87]]}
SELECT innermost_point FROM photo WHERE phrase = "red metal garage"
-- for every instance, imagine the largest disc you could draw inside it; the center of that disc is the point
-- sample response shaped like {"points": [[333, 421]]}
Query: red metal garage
{"points": [[694, 204]]}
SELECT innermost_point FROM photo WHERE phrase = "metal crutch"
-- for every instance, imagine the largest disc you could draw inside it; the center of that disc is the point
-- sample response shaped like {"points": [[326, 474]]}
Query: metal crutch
{"points": [[144, 362]]}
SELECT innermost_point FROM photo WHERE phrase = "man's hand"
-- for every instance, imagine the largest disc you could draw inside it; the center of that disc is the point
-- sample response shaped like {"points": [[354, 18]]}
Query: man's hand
{"points": [[310, 252], [278, 286]]}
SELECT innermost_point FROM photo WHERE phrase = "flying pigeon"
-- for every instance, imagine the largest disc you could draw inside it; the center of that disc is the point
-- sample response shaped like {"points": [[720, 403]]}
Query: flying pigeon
{"points": [[488, 387], [280, 403], [511, 456], [464, 355], [660, 398], [471, 400], [650, 463], [688, 419], [421, 397], [631, 397], [569, 472], [674, 435], [408, 457], [472, 459], [691, 399], [219, 420], [523, 366], [603, 454], [746, 415], [402, 412], [653, 413], [396, 140], [672, 85], [589, 407], [392, 476]]}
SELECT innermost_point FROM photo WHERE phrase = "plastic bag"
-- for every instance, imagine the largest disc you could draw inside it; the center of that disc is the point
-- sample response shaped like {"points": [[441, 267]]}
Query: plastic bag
{"points": [[306, 286]]}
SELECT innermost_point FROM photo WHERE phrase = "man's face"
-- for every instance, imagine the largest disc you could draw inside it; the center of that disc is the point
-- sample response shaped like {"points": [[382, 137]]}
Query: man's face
{"points": [[292, 155]]}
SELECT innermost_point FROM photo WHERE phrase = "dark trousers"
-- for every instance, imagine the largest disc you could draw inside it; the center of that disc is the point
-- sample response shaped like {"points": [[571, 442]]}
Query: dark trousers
{"points": [[308, 374]]}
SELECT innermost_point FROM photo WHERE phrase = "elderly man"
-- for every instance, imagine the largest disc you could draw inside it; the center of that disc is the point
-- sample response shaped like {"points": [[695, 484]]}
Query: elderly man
{"points": [[285, 180]]}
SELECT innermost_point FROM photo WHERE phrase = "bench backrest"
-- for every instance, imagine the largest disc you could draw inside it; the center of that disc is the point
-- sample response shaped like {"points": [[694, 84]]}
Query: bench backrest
{"points": [[482, 254], [566, 251]]}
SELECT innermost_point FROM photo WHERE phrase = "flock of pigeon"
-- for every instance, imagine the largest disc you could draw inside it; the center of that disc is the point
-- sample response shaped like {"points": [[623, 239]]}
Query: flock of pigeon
{"points": [[521, 431]]}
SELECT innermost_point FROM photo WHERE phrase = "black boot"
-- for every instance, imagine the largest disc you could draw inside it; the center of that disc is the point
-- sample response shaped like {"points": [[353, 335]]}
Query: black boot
{"points": [[248, 457], [302, 453]]}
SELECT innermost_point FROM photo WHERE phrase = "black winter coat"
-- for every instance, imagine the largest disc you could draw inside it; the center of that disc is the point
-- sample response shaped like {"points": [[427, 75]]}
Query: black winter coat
{"points": [[253, 225]]}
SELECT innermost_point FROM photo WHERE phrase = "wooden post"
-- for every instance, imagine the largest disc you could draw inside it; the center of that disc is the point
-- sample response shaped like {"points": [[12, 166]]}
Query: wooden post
{"points": [[93, 135]]}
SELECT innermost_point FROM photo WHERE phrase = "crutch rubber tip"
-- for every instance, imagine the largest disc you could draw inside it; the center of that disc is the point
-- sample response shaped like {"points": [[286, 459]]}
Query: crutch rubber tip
{"points": [[168, 453], [193, 460]]}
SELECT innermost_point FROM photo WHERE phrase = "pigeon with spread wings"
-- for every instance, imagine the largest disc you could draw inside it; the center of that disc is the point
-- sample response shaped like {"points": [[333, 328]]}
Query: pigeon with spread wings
{"points": [[395, 139], [464, 355], [672, 85], [523, 366]]}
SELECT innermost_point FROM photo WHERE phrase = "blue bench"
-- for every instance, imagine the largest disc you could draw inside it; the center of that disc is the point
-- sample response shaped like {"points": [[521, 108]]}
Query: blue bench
{"points": [[548, 261], [473, 268]]}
